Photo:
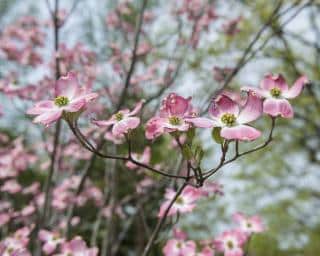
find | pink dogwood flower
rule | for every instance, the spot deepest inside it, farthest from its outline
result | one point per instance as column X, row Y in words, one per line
column 142, row 158
column 186, row 202
column 276, row 92
column 70, row 98
column 231, row 242
column 249, row 225
column 174, row 114
column 232, row 117
column 178, row 247
column 51, row 241
column 77, row 247
column 122, row 121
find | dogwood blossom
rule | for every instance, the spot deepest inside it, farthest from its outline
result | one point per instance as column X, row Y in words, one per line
column 123, row 121
column 231, row 242
column 249, row 225
column 77, row 247
column 276, row 92
column 186, row 202
column 51, row 241
column 174, row 114
column 232, row 117
column 142, row 158
column 70, row 98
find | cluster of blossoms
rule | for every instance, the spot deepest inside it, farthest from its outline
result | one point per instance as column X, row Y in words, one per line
column 229, row 111
column 79, row 58
column 201, row 14
column 230, row 242
column 20, row 41
column 53, row 244
column 120, row 17
column 187, row 201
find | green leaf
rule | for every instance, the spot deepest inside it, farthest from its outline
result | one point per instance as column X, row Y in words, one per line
column 186, row 151
column 190, row 134
column 216, row 135
column 199, row 153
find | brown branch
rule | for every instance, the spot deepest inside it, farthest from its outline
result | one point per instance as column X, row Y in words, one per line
column 134, row 56
column 161, row 222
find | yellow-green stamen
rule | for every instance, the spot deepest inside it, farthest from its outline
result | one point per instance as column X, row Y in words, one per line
column 61, row 101
column 119, row 116
column 174, row 120
column 228, row 119
column 230, row 244
column 275, row 92
column 179, row 200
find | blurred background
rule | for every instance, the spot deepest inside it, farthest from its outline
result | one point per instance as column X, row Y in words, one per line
column 281, row 183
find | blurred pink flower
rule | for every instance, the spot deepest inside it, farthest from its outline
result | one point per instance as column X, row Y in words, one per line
column 186, row 202
column 249, row 225
column 77, row 247
column 142, row 158
column 177, row 247
column 51, row 241
column 231, row 242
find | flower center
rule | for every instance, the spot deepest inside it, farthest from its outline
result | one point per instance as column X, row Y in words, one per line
column 228, row 119
column 249, row 225
column 174, row 120
column 61, row 101
column 230, row 244
column 275, row 92
column 119, row 116
column 179, row 200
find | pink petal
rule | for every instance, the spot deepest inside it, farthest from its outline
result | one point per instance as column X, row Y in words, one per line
column 252, row 109
column 240, row 132
column 137, row 108
column 297, row 87
column 124, row 125
column 176, row 105
column 68, row 86
column 238, row 217
column 276, row 107
column 87, row 96
column 260, row 92
column 44, row 235
column 48, row 118
column 154, row 127
column 201, row 122
column 223, row 104
column 49, row 248
column 75, row 105
column 104, row 123
column 41, row 107
column 271, row 81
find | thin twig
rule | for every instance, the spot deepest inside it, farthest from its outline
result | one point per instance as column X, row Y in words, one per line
column 134, row 55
